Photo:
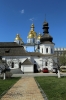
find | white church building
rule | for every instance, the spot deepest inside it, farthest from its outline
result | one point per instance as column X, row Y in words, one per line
column 17, row 57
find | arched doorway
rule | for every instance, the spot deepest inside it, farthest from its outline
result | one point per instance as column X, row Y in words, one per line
column 19, row 64
column 35, row 68
column 12, row 64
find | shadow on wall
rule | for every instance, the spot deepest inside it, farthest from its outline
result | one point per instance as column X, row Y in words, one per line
column 16, row 71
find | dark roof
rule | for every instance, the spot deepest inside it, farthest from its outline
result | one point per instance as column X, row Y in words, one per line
column 37, row 54
column 18, row 51
column 46, row 37
column 13, row 49
column 8, row 44
column 27, row 62
column 47, row 42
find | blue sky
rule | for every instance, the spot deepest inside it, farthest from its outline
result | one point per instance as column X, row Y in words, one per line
column 16, row 15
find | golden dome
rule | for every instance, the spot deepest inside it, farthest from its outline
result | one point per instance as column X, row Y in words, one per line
column 18, row 37
column 32, row 33
column 39, row 36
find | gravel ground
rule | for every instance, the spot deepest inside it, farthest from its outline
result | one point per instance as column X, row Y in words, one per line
column 25, row 89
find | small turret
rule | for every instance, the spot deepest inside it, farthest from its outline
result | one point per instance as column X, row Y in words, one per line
column 32, row 35
column 18, row 39
column 38, row 38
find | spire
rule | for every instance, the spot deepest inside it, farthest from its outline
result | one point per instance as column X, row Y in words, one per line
column 32, row 27
column 45, row 27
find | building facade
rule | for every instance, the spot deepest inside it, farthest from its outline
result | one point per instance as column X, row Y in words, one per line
column 43, row 56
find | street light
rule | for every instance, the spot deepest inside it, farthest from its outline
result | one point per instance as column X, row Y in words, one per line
column 58, row 66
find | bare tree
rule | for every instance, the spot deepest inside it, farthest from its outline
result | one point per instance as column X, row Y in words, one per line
column 3, row 68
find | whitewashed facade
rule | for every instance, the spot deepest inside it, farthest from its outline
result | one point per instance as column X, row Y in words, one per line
column 47, row 48
column 15, row 54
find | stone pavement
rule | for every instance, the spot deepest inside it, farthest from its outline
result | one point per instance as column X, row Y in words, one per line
column 25, row 89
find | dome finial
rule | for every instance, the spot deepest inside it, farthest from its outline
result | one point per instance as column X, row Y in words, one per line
column 32, row 27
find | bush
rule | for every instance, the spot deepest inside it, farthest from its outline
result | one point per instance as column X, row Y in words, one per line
column 63, row 69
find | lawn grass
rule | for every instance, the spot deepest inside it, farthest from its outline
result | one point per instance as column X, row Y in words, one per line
column 6, row 84
column 53, row 87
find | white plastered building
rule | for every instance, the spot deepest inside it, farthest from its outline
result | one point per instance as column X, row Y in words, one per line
column 18, row 58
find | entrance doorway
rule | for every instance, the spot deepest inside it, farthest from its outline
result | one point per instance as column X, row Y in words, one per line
column 19, row 64
column 35, row 68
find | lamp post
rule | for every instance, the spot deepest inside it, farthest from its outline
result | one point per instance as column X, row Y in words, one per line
column 58, row 66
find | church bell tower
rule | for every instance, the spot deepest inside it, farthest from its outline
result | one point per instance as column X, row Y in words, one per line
column 46, row 44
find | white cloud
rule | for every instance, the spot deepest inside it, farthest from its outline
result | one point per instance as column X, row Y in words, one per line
column 31, row 19
column 22, row 11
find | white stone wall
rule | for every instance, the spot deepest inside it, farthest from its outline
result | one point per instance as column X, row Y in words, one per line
column 59, row 49
column 41, row 62
column 38, row 62
column 27, row 68
column 49, row 46
column 19, row 41
column 16, row 60
column 30, row 40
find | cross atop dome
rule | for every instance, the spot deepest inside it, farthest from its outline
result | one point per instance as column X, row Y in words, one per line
column 18, row 37
column 32, row 27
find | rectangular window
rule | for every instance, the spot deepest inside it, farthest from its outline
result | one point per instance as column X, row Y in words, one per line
column 42, row 50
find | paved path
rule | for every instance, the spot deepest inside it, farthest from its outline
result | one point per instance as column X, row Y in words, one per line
column 25, row 89
column 38, row 74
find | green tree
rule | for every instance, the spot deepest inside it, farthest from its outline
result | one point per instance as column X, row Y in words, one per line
column 62, row 59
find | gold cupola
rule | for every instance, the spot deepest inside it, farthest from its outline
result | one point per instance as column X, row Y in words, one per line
column 18, row 37
column 32, row 33
column 39, row 36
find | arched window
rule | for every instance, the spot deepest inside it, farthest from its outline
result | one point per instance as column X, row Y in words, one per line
column 19, row 64
column 46, row 50
column 12, row 64
column 42, row 50
column 45, row 63
column 19, row 42
column 51, row 50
